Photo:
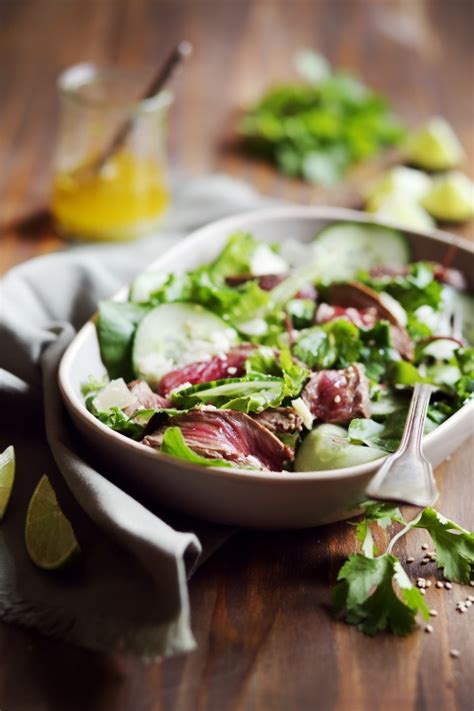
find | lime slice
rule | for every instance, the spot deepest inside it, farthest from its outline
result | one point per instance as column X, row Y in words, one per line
column 7, row 477
column 404, row 213
column 49, row 538
column 435, row 146
column 451, row 198
column 401, row 182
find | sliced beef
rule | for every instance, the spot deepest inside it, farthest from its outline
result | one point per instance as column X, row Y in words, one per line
column 227, row 434
column 337, row 396
column 145, row 398
column 230, row 365
column 280, row 420
column 362, row 318
column 356, row 295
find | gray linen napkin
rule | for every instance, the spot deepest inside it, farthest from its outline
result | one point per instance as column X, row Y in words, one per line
column 127, row 591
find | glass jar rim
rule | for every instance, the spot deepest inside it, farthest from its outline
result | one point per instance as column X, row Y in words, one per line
column 73, row 79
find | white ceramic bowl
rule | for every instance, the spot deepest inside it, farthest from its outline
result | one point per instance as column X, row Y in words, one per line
column 247, row 498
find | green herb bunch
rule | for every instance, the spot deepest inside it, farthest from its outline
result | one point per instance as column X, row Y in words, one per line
column 317, row 130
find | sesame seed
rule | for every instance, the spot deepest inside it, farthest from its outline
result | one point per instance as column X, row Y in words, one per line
column 410, row 560
column 462, row 610
column 431, row 554
column 470, row 598
column 428, row 583
column 455, row 653
column 429, row 629
column 439, row 584
column 337, row 399
column 433, row 613
column 448, row 586
column 424, row 546
column 423, row 591
column 468, row 603
column 433, row 558
column 425, row 561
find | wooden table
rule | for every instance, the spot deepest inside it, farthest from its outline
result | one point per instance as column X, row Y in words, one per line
column 260, row 605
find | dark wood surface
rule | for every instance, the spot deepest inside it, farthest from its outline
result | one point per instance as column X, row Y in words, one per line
column 266, row 639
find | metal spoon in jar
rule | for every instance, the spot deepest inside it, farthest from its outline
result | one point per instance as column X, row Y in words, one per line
column 406, row 475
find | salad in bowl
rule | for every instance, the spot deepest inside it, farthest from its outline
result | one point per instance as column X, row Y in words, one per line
column 292, row 357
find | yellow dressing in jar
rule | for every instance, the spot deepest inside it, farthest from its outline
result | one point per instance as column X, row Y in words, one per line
column 122, row 200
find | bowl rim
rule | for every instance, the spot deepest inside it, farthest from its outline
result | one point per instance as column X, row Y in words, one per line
column 279, row 212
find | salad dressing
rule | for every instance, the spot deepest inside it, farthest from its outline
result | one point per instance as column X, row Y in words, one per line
column 121, row 200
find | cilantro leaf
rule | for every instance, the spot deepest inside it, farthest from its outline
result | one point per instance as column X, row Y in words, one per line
column 454, row 545
column 379, row 512
column 366, row 596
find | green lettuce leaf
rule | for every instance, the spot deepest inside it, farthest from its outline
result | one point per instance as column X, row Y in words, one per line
column 267, row 361
column 386, row 435
column 417, row 288
column 175, row 445
column 116, row 325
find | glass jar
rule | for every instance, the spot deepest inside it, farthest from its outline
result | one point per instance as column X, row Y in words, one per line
column 100, row 193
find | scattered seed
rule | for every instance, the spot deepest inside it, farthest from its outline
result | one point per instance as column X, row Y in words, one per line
column 448, row 586
column 423, row 591
column 471, row 583
column 428, row 583
column 429, row 629
column 433, row 558
column 455, row 653
column 410, row 560
column 468, row 603
column 439, row 584
column 424, row 546
column 425, row 561
column 433, row 613
column 470, row 598
column 431, row 553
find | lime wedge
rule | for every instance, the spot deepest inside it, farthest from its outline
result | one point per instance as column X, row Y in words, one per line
column 451, row 198
column 7, row 477
column 49, row 538
column 435, row 146
column 406, row 184
column 404, row 213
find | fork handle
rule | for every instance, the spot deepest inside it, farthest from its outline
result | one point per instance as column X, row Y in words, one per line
column 414, row 425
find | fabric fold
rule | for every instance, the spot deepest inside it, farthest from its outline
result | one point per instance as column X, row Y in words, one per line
column 128, row 590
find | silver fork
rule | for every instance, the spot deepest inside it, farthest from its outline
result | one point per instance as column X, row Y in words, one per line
column 406, row 475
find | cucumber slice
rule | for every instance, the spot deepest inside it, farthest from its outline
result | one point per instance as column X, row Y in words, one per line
column 344, row 249
column 327, row 447
column 252, row 393
column 171, row 336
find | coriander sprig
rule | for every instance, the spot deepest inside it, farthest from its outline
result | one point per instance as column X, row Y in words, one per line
column 374, row 592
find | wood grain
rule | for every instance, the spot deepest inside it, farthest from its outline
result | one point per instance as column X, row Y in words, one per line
column 266, row 639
